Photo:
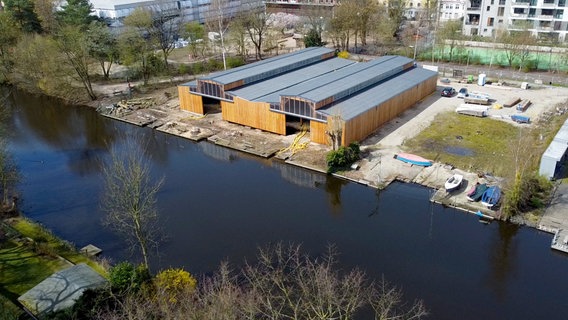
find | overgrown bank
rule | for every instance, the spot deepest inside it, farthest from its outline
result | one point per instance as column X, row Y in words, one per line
column 497, row 148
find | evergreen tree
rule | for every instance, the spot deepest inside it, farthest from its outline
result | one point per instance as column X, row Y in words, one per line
column 23, row 13
column 76, row 13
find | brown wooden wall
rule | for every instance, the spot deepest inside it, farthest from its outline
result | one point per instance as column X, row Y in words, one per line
column 254, row 114
column 366, row 123
column 317, row 132
column 189, row 101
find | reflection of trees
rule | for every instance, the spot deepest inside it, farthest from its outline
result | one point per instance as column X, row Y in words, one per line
column 78, row 131
column 502, row 259
column 333, row 188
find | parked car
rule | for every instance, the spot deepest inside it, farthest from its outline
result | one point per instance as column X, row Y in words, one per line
column 448, row 92
column 462, row 93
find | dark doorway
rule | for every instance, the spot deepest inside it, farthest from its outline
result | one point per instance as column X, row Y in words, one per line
column 294, row 124
column 211, row 106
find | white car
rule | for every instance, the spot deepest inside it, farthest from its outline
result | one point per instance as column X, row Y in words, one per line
column 462, row 93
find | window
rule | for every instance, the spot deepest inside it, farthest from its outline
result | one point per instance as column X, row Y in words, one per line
column 457, row 6
column 488, row 7
column 518, row 10
column 492, row 1
column 502, row 2
column 500, row 20
column 500, row 11
column 490, row 22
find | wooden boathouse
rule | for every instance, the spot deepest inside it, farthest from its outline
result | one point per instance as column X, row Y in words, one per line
column 313, row 86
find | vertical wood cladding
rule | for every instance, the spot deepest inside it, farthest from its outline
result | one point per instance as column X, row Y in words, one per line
column 366, row 123
column 317, row 132
column 254, row 114
column 189, row 101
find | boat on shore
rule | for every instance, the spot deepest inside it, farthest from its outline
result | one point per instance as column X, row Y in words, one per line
column 484, row 216
column 453, row 182
column 476, row 192
column 491, row 196
column 413, row 159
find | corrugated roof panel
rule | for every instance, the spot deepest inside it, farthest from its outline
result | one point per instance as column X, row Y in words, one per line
column 270, row 67
column 352, row 83
column 562, row 134
column 330, row 78
column 269, row 90
column 555, row 150
column 189, row 84
column 374, row 96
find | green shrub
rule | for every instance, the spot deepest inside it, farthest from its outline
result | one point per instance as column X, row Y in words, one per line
column 184, row 69
column 126, row 277
column 233, row 62
column 343, row 157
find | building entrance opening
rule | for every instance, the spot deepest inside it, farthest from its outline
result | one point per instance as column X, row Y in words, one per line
column 295, row 124
column 211, row 106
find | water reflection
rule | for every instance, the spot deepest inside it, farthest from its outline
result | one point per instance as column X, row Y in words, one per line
column 502, row 256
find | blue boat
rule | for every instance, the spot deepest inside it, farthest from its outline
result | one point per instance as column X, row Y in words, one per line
column 491, row 196
column 413, row 159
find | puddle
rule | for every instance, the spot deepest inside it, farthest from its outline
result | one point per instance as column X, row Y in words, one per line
column 460, row 151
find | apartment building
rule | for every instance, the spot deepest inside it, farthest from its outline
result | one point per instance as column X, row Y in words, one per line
column 188, row 10
column 544, row 18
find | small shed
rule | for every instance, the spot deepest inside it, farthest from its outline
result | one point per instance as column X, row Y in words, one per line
column 60, row 290
column 555, row 154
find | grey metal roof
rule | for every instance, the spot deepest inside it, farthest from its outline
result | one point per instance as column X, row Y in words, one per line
column 189, row 84
column 269, row 90
column 270, row 67
column 562, row 134
column 555, row 150
column 374, row 96
column 349, row 80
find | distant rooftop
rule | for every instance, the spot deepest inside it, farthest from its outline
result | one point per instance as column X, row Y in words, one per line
column 271, row 67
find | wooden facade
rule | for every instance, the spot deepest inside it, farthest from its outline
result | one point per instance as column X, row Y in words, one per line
column 317, row 132
column 189, row 101
column 254, row 114
column 366, row 123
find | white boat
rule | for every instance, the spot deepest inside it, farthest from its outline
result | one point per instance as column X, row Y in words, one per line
column 453, row 182
column 472, row 109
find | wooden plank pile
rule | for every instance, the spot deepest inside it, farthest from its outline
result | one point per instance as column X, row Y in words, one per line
column 511, row 102
column 523, row 105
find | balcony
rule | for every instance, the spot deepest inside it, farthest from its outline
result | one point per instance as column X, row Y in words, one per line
column 544, row 17
column 473, row 9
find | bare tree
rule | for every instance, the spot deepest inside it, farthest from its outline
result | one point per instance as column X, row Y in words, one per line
column 335, row 130
column 388, row 304
column 218, row 19
column 129, row 198
column 255, row 23
column 74, row 45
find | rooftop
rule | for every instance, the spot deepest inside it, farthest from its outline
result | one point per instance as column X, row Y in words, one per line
column 271, row 67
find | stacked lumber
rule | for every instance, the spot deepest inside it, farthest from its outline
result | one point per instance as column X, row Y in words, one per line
column 512, row 102
column 523, row 105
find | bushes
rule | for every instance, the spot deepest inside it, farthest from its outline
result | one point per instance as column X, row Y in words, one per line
column 527, row 193
column 342, row 157
column 125, row 277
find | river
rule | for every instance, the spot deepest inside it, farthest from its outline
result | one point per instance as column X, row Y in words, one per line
column 217, row 204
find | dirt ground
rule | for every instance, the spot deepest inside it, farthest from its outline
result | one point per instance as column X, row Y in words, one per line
column 377, row 167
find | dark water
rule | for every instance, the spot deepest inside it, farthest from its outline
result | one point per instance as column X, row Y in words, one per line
column 218, row 204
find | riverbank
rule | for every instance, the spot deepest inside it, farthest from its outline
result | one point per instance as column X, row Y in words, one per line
column 377, row 167
column 31, row 254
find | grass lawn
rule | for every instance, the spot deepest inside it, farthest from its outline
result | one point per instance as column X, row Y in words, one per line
column 22, row 267
column 475, row 144
column 54, row 244
column 25, row 263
